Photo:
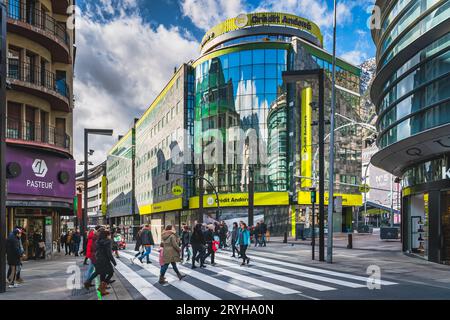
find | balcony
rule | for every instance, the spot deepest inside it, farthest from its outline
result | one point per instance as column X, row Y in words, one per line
column 34, row 134
column 42, row 28
column 39, row 82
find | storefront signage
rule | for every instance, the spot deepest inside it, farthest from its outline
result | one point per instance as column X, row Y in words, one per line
column 263, row 18
column 40, row 174
column 445, row 173
column 177, row 190
column 306, row 137
column 241, row 200
column 164, row 206
column 348, row 200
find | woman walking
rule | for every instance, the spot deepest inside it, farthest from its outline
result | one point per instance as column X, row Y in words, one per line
column 234, row 235
column 104, row 259
column 171, row 253
column 198, row 244
column 243, row 240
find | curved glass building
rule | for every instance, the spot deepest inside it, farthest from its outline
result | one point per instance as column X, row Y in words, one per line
column 411, row 92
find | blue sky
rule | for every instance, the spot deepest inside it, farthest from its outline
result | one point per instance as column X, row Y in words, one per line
column 127, row 49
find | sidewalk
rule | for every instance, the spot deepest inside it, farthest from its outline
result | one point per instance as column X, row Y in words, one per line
column 361, row 241
column 54, row 280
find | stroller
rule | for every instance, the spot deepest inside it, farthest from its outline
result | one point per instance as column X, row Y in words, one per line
column 120, row 240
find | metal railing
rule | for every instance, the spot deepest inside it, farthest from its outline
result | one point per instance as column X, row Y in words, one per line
column 39, row 76
column 35, row 132
column 37, row 18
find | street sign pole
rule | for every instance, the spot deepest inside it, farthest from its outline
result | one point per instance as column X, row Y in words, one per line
column 313, row 231
column 2, row 146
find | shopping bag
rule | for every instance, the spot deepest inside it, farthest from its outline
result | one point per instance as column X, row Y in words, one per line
column 215, row 245
column 161, row 257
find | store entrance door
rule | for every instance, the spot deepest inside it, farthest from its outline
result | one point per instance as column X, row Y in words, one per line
column 34, row 233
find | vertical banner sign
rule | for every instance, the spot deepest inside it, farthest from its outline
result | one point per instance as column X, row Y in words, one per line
column 306, row 137
column 293, row 221
column 104, row 196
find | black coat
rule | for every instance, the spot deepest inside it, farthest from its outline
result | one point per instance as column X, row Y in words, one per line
column 223, row 231
column 185, row 237
column 76, row 238
column 263, row 227
column 104, row 257
column 197, row 239
column 138, row 245
column 209, row 236
column 147, row 237
column 13, row 249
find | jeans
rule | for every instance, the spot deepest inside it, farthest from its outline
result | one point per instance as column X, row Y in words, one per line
column 210, row 253
column 256, row 240
column 148, row 251
column 183, row 247
column 243, row 250
column 166, row 266
column 12, row 273
column 90, row 270
column 263, row 240
column 235, row 249
column 76, row 248
column 198, row 252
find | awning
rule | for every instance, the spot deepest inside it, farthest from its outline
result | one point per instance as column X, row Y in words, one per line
column 374, row 205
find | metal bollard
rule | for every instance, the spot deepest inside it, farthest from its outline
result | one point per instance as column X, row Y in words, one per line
column 350, row 241
column 285, row 237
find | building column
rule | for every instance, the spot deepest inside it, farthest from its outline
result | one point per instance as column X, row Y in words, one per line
column 434, row 230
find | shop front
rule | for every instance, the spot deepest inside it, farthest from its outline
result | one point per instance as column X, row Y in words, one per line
column 40, row 191
column 426, row 210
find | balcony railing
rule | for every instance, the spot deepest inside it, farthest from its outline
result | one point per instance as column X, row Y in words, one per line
column 37, row 18
column 35, row 132
column 39, row 76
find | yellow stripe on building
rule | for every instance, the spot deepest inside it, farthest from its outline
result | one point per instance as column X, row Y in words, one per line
column 348, row 200
column 241, row 200
column 164, row 206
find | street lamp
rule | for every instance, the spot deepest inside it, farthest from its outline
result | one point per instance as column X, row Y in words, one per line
column 87, row 132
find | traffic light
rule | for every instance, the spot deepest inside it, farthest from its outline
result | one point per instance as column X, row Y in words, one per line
column 167, row 175
column 313, row 195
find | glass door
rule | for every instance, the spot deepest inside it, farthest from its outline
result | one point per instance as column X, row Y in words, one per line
column 445, row 200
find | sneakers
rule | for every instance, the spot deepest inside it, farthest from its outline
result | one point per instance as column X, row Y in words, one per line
column 15, row 285
column 132, row 260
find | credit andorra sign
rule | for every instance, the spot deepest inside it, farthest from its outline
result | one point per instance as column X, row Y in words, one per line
column 259, row 19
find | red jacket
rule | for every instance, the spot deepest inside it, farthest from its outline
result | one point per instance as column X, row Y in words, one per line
column 91, row 239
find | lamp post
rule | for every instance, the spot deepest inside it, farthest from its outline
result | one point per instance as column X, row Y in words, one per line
column 331, row 157
column 2, row 146
column 87, row 132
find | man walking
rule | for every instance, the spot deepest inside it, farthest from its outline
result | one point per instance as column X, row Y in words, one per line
column 147, row 242
column 257, row 233
column 223, row 231
column 76, row 242
column 263, row 227
column 13, row 256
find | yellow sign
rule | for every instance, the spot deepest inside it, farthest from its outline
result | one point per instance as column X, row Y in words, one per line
column 293, row 221
column 164, row 206
column 348, row 200
column 364, row 188
column 306, row 137
column 104, row 196
column 260, row 19
column 241, row 200
column 177, row 190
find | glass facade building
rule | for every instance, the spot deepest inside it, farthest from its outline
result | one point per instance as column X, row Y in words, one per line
column 230, row 110
column 411, row 92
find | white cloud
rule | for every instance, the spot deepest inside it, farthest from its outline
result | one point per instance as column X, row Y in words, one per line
column 207, row 13
column 355, row 57
column 121, row 65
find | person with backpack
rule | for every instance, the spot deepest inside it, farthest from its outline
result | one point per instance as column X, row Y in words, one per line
column 185, row 242
column 170, row 247
column 147, row 243
column 198, row 244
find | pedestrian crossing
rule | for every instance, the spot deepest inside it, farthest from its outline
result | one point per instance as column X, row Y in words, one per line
column 267, row 276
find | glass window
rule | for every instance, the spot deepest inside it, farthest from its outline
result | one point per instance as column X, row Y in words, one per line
column 258, row 56
column 234, row 59
column 246, row 57
column 258, row 71
column 271, row 71
column 270, row 56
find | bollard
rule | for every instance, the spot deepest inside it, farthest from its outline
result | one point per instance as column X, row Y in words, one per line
column 350, row 241
column 285, row 237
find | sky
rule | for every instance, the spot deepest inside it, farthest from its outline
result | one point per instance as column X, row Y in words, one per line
column 127, row 51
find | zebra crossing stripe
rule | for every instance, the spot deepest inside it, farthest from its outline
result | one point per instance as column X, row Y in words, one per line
column 237, row 290
column 297, row 282
column 141, row 285
column 184, row 286
column 263, row 257
column 303, row 274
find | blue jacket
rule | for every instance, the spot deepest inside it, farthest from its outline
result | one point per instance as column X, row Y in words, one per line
column 246, row 236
